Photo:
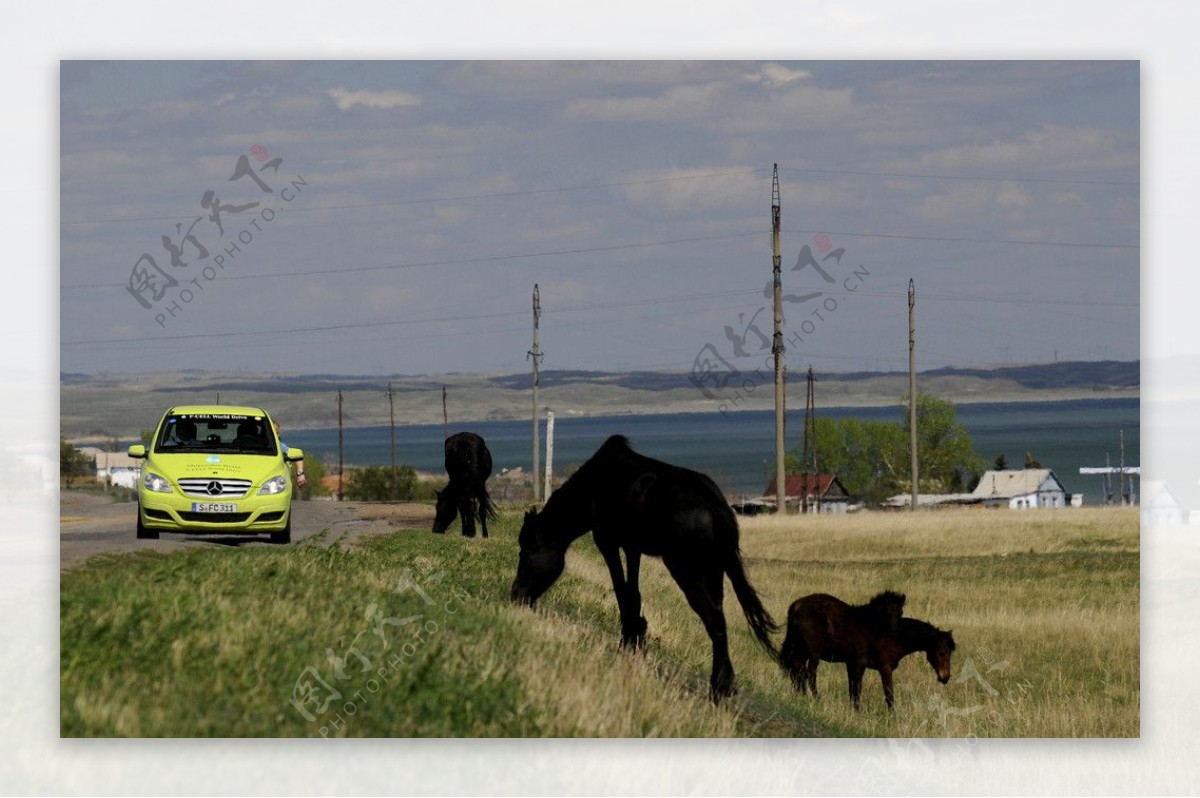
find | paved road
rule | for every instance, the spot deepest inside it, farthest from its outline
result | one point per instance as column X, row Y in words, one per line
column 91, row 525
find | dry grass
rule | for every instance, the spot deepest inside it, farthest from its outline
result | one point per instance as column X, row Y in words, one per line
column 1044, row 608
column 1043, row 605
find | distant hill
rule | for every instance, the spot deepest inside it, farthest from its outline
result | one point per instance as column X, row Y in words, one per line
column 106, row 405
column 1087, row 375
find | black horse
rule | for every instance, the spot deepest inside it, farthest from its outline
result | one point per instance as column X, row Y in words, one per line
column 643, row 506
column 469, row 464
column 873, row 635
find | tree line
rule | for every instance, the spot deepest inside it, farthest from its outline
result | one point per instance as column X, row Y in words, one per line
column 871, row 458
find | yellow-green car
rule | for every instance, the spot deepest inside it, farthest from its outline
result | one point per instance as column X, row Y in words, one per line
column 215, row 469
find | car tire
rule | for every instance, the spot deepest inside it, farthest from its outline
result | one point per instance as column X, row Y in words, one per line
column 142, row 532
column 284, row 535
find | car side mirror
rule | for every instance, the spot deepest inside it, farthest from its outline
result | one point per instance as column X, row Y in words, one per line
column 137, row 450
column 293, row 454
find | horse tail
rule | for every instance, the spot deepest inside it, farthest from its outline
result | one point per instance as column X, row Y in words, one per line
column 787, row 652
column 487, row 507
column 761, row 622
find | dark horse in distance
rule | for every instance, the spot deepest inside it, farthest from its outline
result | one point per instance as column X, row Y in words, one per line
column 469, row 464
column 874, row 635
column 638, row 505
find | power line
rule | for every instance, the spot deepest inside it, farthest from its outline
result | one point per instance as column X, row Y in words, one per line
column 969, row 240
column 409, row 321
column 622, row 184
column 433, row 200
column 633, row 245
column 450, row 262
column 981, row 178
column 592, row 307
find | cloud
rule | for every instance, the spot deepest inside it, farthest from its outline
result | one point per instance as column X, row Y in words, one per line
column 691, row 189
column 777, row 75
column 526, row 79
column 1050, row 149
column 347, row 99
column 967, row 197
column 674, row 104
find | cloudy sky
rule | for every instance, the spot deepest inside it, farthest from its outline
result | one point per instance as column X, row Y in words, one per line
column 393, row 217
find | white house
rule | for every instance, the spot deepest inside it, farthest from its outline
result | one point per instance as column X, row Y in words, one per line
column 116, row 468
column 1022, row 489
column 1159, row 507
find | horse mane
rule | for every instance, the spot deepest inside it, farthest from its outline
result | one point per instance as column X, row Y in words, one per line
column 883, row 611
column 888, row 598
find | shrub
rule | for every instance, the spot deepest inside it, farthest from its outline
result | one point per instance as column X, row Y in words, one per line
column 375, row 483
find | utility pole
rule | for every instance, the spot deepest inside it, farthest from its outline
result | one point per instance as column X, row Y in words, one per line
column 549, row 452
column 777, row 347
column 535, row 355
column 340, row 456
column 445, row 416
column 912, row 387
column 809, row 464
column 392, row 424
column 1121, row 463
column 1108, row 494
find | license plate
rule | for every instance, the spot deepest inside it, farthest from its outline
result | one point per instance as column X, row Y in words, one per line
column 214, row 507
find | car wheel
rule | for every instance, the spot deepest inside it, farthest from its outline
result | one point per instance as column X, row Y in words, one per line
column 284, row 535
column 142, row 532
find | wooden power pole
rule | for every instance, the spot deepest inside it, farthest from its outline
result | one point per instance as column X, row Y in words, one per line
column 809, row 464
column 445, row 416
column 549, row 454
column 392, row 425
column 912, row 388
column 341, row 459
column 777, row 347
column 535, row 355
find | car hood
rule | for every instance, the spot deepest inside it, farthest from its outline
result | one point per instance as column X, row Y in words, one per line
column 254, row 467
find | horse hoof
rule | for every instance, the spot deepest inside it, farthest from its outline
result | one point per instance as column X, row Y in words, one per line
column 717, row 694
column 633, row 642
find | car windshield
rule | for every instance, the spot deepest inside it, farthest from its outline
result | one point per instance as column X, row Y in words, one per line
column 232, row 433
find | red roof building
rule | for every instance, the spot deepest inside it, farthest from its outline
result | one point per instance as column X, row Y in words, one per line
column 813, row 488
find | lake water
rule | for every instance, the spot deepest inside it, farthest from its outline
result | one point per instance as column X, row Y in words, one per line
column 737, row 450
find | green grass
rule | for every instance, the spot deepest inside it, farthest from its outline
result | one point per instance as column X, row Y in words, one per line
column 218, row 642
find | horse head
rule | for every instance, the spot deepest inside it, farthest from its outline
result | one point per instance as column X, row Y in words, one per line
column 939, row 653
column 540, row 563
column 447, row 510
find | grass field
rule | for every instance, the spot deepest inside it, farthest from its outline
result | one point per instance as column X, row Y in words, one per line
column 412, row 634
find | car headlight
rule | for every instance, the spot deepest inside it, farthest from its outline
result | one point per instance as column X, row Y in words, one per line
column 154, row 482
column 273, row 485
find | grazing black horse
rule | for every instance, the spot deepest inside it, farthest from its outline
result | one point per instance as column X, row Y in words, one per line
column 874, row 635
column 638, row 505
column 469, row 464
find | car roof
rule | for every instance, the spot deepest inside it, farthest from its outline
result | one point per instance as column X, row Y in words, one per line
column 233, row 410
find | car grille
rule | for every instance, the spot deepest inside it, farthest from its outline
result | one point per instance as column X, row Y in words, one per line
column 215, row 518
column 213, row 487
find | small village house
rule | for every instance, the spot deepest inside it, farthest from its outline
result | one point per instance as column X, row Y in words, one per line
column 114, row 468
column 1022, row 489
column 1159, row 506
column 815, row 492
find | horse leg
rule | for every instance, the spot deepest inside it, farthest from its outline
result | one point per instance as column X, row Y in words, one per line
column 629, row 601
column 885, row 675
column 705, row 594
column 466, row 512
column 854, row 671
column 633, row 624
